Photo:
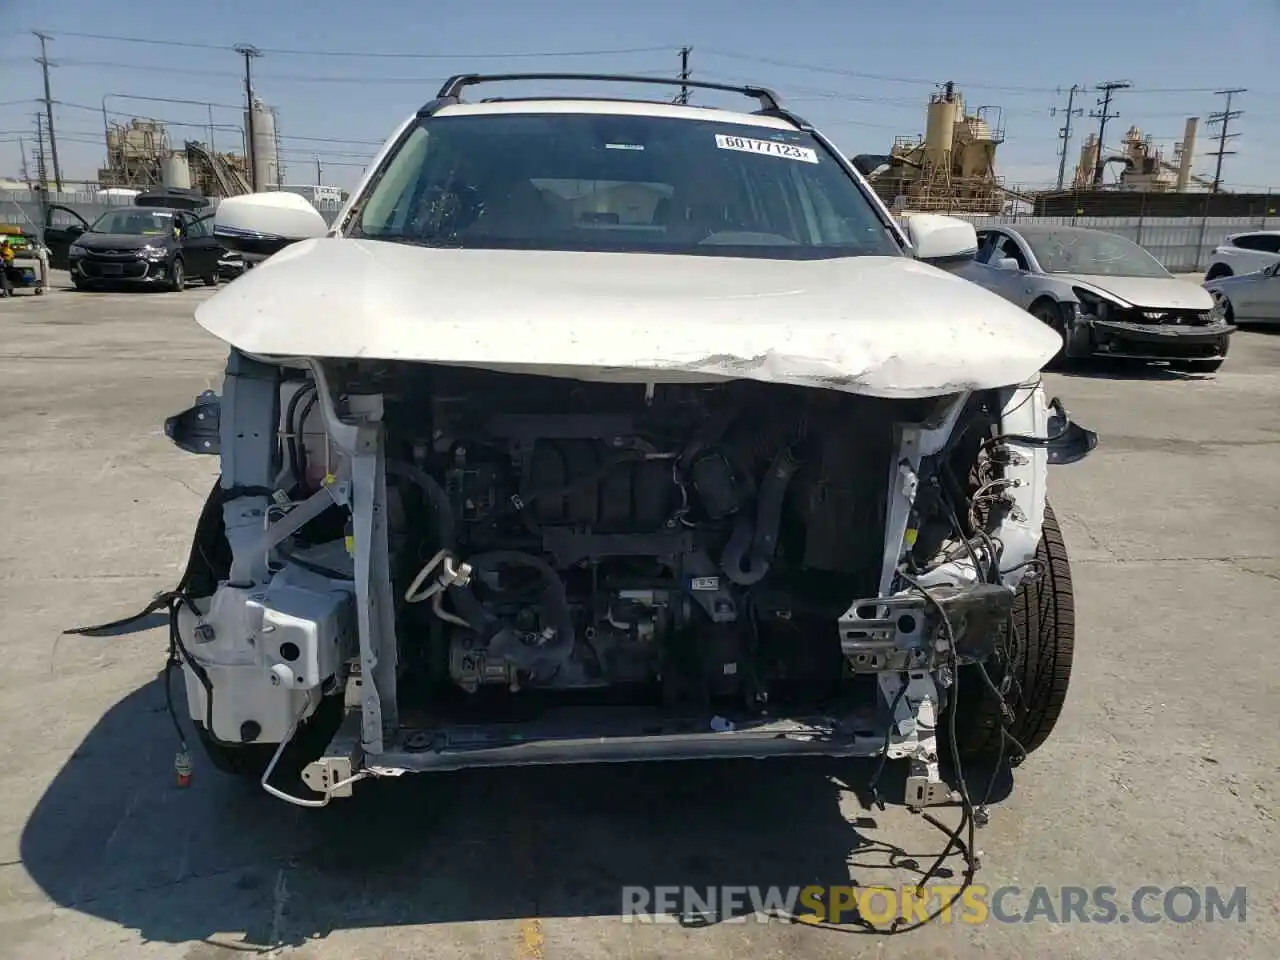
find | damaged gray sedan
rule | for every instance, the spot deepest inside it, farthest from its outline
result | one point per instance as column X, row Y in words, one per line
column 618, row 430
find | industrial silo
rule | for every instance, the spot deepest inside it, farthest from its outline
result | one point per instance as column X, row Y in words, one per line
column 175, row 171
column 266, row 164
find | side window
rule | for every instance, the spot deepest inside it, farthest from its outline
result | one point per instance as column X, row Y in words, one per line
column 198, row 228
column 1009, row 248
column 986, row 244
column 1265, row 242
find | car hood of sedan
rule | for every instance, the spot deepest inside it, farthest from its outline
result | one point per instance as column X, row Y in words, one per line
column 882, row 326
column 1153, row 293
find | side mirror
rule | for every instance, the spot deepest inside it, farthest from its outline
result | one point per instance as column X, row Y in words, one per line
column 1005, row 263
column 260, row 224
column 941, row 240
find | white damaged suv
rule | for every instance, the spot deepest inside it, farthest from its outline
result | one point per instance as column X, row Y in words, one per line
column 617, row 430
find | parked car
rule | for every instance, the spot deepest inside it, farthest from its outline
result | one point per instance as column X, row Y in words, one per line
column 1250, row 297
column 1244, row 253
column 617, row 430
column 160, row 240
column 1102, row 294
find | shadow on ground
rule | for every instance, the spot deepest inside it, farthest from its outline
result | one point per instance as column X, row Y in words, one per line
column 1095, row 368
column 114, row 838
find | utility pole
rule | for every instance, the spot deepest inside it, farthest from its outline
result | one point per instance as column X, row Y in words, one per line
column 42, row 172
column 684, row 74
column 1223, row 117
column 1064, row 132
column 43, row 60
column 249, row 52
column 1102, row 116
column 319, row 182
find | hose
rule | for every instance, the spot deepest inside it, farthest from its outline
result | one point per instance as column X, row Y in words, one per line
column 555, row 600
column 445, row 524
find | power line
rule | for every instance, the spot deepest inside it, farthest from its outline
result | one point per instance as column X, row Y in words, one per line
column 1223, row 118
column 382, row 54
column 1064, row 132
column 1102, row 116
column 43, row 60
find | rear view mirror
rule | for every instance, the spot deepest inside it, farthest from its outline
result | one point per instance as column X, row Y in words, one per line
column 260, row 224
column 941, row 240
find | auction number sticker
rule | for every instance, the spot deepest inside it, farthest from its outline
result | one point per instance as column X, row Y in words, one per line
column 772, row 147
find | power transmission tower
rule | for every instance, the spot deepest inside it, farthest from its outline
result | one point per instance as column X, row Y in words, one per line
column 1223, row 117
column 1102, row 116
column 43, row 60
column 1064, row 132
column 22, row 150
column 249, row 52
column 42, row 173
column 683, row 96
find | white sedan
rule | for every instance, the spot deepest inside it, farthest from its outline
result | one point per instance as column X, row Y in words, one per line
column 1250, row 297
column 1103, row 294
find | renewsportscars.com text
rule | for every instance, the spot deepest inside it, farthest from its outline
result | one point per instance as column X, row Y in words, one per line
column 978, row 904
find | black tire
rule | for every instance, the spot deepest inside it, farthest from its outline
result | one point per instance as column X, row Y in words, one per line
column 1049, row 313
column 210, row 280
column 249, row 760
column 1043, row 649
column 177, row 276
column 1216, row 271
column 39, row 291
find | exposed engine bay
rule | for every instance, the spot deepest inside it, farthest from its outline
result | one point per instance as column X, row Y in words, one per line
column 549, row 534
column 452, row 557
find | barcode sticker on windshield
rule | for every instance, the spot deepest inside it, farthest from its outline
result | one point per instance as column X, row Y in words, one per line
column 772, row 147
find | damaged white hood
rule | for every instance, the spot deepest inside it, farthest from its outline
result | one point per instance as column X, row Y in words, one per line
column 884, row 326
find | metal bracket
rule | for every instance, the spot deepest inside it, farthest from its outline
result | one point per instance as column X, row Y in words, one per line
column 198, row 428
column 339, row 763
column 914, row 736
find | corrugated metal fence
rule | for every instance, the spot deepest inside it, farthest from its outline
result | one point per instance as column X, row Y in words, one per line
column 1182, row 244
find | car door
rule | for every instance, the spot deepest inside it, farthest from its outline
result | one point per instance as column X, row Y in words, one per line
column 62, row 227
column 1009, row 281
column 199, row 247
column 1266, row 302
column 1251, row 252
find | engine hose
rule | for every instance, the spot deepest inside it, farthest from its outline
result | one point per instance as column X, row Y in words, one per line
column 446, row 527
column 554, row 599
column 736, row 553
column 747, row 556
column 773, row 492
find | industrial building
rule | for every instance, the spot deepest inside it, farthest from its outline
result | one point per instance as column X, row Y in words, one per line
column 140, row 154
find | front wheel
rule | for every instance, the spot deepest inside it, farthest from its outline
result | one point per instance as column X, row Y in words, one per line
column 177, row 276
column 210, row 280
column 1037, row 668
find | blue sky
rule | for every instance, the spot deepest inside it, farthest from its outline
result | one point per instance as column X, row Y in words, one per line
column 861, row 71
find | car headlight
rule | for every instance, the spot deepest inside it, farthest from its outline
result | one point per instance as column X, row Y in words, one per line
column 153, row 252
column 1091, row 305
column 77, row 251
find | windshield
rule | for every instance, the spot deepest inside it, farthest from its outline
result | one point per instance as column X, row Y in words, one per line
column 137, row 222
column 606, row 182
column 1092, row 252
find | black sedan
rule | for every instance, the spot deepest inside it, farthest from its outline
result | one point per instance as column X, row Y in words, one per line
column 145, row 246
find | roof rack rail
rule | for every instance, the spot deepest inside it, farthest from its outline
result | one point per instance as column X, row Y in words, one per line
column 453, row 87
